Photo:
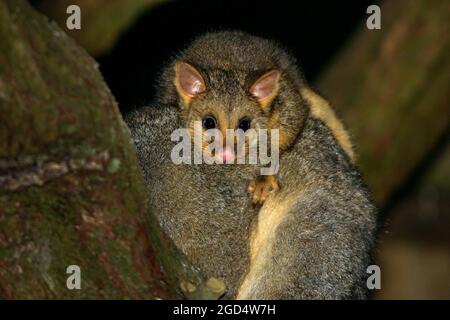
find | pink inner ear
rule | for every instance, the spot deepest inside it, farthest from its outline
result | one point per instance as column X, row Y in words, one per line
column 189, row 79
column 265, row 86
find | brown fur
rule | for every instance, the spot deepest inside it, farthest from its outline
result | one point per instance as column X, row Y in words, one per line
column 310, row 239
column 322, row 110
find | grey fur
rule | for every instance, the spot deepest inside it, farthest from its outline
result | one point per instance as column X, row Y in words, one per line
column 322, row 246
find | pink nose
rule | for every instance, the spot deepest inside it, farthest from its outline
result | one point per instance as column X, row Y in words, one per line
column 227, row 155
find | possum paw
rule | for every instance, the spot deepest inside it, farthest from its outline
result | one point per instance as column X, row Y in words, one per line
column 261, row 188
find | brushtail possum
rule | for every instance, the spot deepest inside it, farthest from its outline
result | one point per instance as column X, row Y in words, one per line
column 303, row 232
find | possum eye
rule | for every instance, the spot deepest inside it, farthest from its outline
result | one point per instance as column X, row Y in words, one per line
column 244, row 124
column 209, row 122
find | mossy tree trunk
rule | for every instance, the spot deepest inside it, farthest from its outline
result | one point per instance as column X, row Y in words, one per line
column 71, row 192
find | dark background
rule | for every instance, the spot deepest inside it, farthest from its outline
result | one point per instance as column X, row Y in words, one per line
column 313, row 37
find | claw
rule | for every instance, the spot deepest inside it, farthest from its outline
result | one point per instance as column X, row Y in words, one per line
column 261, row 188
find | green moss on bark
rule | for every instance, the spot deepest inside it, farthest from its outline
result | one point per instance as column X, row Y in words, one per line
column 81, row 199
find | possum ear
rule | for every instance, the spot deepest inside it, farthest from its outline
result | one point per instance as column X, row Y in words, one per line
column 188, row 81
column 265, row 88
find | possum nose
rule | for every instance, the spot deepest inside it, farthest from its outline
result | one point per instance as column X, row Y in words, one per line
column 227, row 154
